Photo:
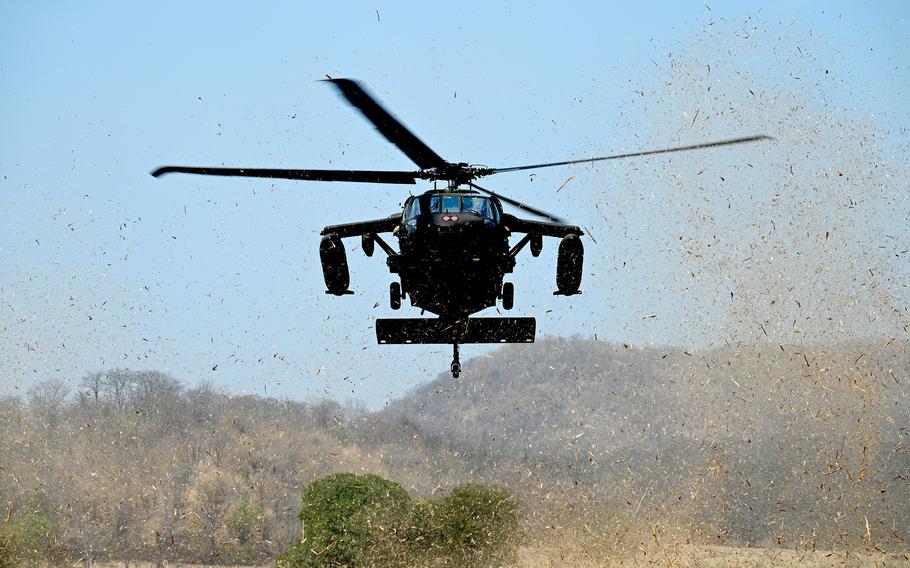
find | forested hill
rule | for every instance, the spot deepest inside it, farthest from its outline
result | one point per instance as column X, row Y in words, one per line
column 554, row 397
column 765, row 441
column 774, row 444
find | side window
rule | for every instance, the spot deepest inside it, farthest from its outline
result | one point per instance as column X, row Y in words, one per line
column 413, row 210
column 406, row 211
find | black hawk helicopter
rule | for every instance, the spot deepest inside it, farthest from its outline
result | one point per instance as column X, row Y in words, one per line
column 453, row 243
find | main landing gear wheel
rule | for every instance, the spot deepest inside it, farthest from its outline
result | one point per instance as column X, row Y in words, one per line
column 395, row 295
column 508, row 295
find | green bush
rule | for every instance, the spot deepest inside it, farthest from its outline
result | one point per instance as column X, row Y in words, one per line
column 7, row 549
column 31, row 536
column 244, row 523
column 424, row 529
column 475, row 525
column 351, row 520
column 365, row 520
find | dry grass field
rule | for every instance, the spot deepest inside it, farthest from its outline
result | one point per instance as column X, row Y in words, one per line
column 686, row 556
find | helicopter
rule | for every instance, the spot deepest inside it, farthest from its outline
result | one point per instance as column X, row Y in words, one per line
column 453, row 242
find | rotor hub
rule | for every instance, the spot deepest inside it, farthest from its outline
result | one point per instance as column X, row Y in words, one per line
column 460, row 173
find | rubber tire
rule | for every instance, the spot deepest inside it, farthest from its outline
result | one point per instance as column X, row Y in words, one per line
column 395, row 295
column 508, row 295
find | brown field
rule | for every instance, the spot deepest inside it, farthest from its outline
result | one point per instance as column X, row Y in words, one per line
column 711, row 557
column 683, row 556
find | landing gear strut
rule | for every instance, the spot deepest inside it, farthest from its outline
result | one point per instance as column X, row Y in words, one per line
column 456, row 364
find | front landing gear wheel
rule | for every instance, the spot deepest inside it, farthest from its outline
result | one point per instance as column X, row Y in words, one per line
column 456, row 370
column 395, row 295
column 508, row 295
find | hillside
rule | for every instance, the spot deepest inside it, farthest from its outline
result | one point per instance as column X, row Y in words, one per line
column 608, row 448
column 754, row 444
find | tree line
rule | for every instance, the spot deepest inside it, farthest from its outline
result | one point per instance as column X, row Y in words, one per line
column 761, row 446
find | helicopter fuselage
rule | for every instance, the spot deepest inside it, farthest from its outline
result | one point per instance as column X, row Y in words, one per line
column 453, row 252
column 452, row 263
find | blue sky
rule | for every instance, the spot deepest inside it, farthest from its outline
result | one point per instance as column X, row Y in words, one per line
column 105, row 266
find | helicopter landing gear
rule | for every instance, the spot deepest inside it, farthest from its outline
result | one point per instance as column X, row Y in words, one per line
column 508, row 295
column 456, row 364
column 395, row 295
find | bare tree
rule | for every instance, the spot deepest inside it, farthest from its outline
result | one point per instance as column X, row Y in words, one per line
column 92, row 386
column 45, row 401
column 118, row 383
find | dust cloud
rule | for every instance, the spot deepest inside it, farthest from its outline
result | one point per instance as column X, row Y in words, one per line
column 788, row 263
column 803, row 239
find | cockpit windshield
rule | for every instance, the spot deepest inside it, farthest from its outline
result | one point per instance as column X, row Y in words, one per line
column 468, row 203
column 477, row 205
column 445, row 204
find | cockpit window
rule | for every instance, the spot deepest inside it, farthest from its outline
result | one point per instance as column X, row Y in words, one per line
column 470, row 204
column 413, row 211
column 445, row 204
column 477, row 205
column 451, row 204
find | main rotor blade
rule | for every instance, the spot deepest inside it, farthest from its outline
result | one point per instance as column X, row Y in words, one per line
column 636, row 154
column 361, row 176
column 519, row 204
column 387, row 125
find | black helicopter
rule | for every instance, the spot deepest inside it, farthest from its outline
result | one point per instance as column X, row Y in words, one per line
column 453, row 243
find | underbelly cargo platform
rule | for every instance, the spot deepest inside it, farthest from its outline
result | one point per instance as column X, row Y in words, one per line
column 441, row 331
column 418, row 331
